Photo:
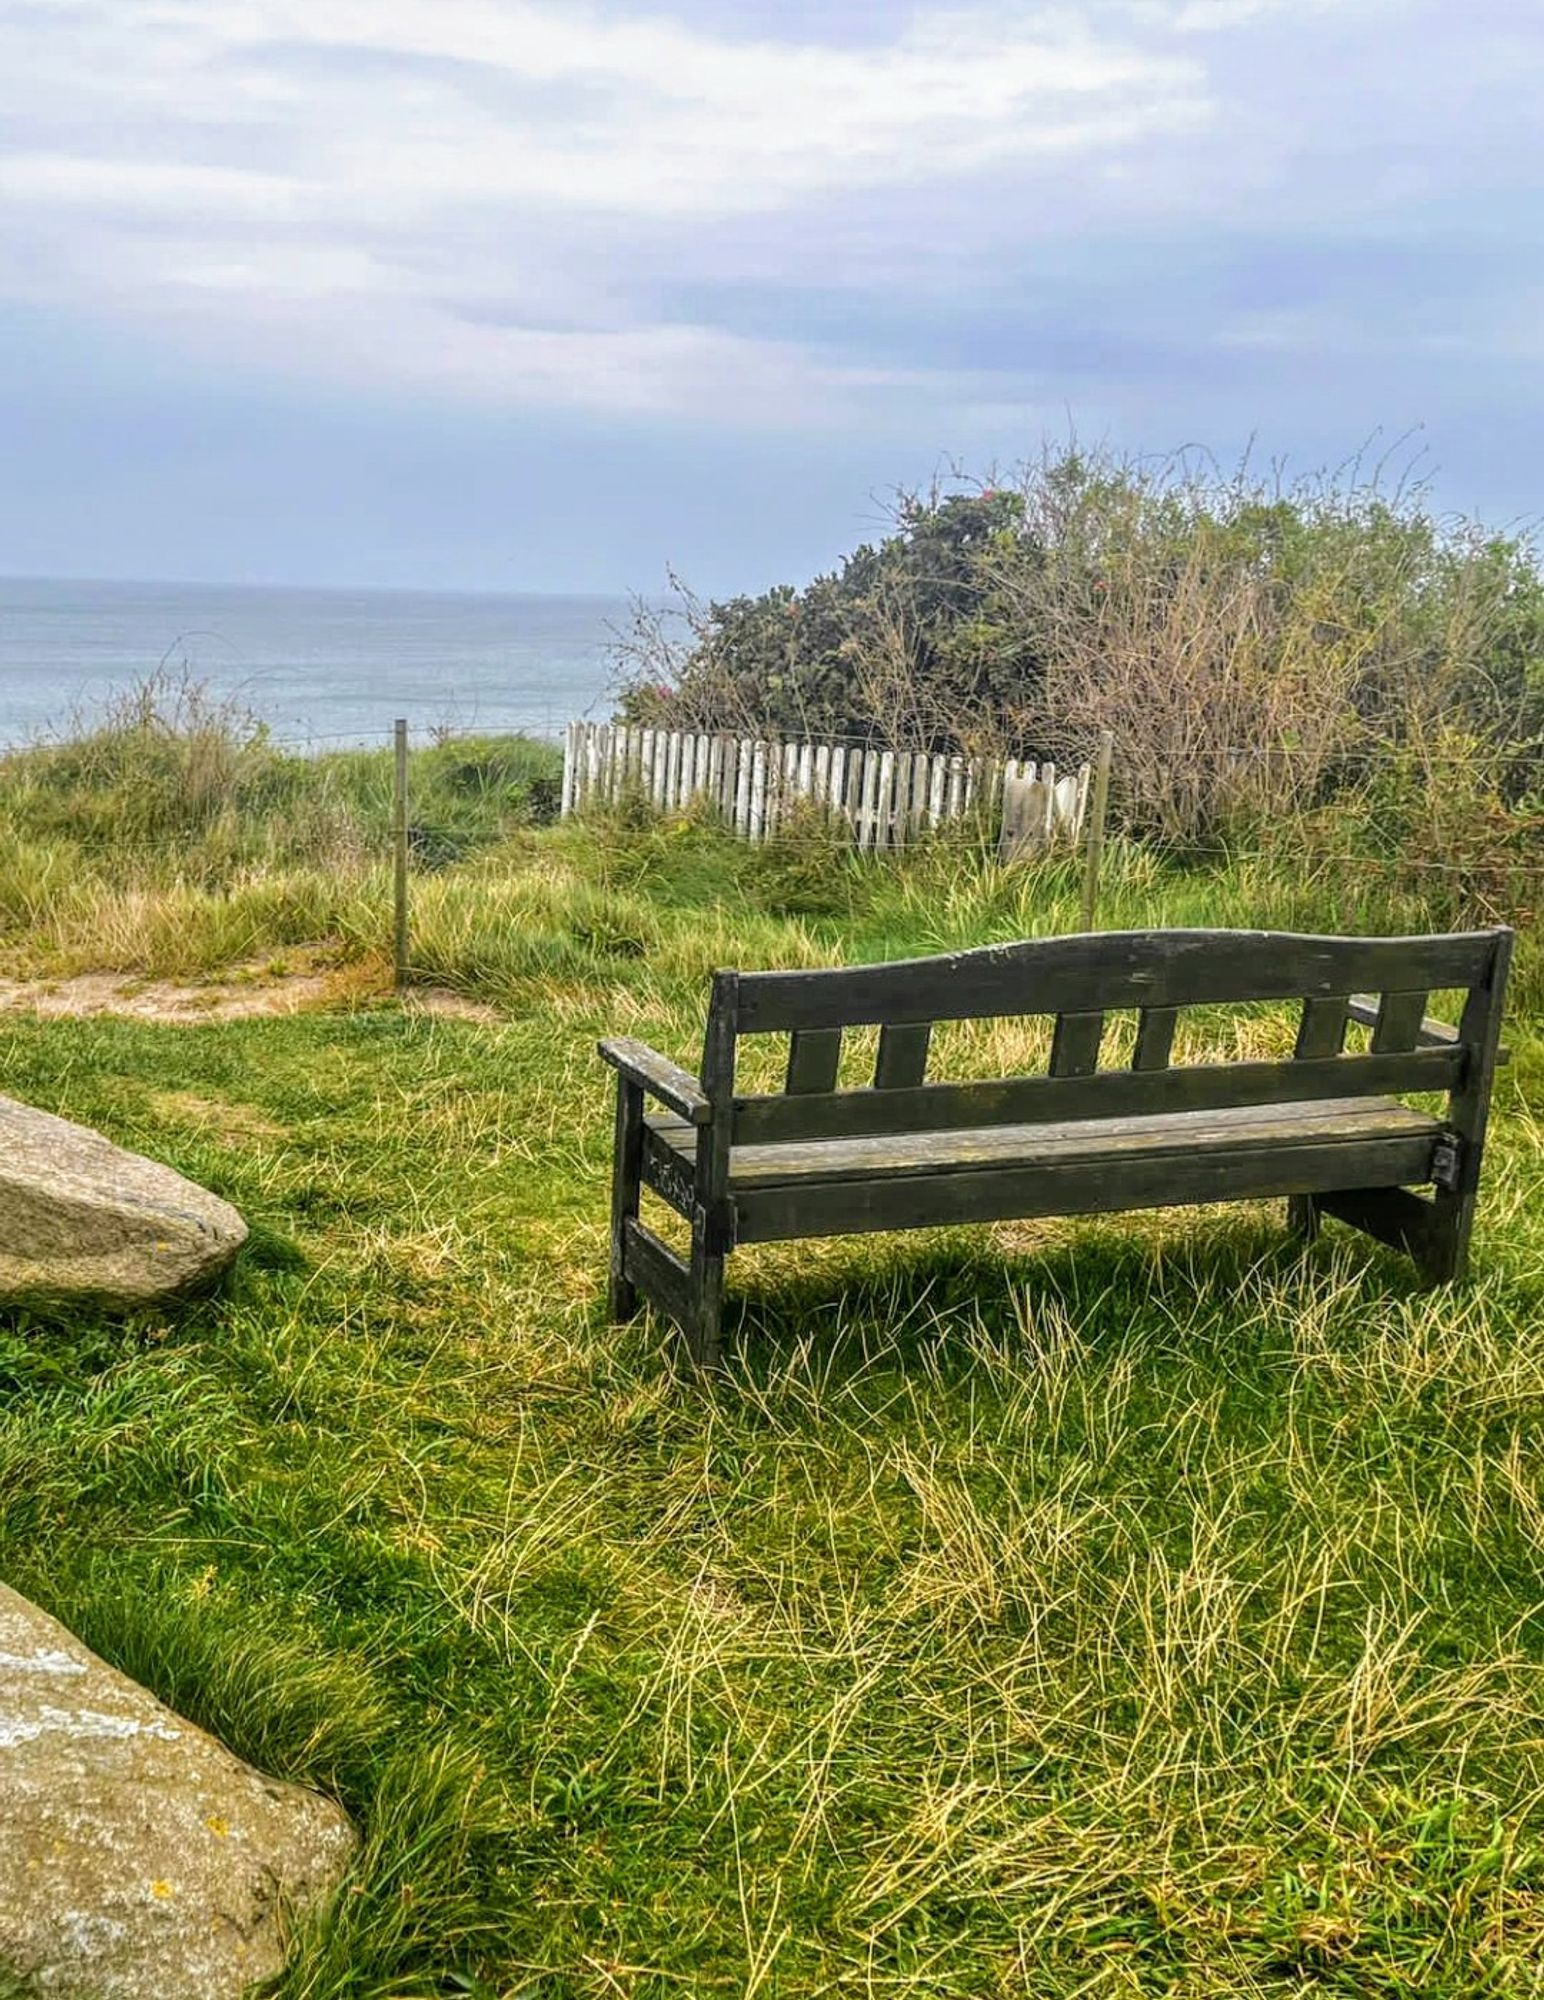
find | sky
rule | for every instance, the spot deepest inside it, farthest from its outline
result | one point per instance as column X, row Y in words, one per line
column 540, row 294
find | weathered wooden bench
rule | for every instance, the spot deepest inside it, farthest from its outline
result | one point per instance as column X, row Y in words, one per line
column 1324, row 1127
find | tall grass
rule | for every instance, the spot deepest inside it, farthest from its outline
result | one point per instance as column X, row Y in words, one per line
column 172, row 834
column 175, row 838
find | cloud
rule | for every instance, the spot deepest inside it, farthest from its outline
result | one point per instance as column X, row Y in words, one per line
column 483, row 197
column 520, row 203
column 462, row 100
column 127, row 186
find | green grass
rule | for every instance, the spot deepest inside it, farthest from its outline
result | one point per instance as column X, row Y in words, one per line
column 171, row 835
column 1102, row 1608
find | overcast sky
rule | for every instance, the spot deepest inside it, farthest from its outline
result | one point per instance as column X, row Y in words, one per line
column 523, row 294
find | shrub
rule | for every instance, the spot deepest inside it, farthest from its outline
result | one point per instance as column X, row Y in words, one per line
column 1256, row 650
column 909, row 642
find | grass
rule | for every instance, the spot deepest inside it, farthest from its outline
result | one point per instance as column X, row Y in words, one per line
column 1129, row 1607
column 171, row 835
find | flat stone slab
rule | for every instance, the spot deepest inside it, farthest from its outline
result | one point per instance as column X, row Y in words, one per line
column 84, row 1222
column 139, row 1859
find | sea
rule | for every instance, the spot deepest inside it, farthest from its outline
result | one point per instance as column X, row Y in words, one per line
column 319, row 666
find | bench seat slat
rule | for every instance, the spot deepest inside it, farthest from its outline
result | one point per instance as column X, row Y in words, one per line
column 936, row 1107
column 1111, row 1141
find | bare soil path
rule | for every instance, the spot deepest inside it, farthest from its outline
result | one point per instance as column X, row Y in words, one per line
column 242, row 992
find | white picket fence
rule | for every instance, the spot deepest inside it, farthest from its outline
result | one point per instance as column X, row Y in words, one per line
column 887, row 797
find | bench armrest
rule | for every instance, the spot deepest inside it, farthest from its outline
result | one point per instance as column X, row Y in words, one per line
column 1433, row 1035
column 660, row 1077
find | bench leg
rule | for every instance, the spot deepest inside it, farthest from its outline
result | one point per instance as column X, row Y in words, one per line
column 703, row 1334
column 626, row 1169
column 1303, row 1217
column 1444, row 1257
column 1432, row 1231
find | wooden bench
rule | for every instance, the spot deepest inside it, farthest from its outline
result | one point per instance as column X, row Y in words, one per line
column 1324, row 1127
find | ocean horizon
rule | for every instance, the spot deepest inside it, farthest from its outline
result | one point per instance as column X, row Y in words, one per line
column 318, row 664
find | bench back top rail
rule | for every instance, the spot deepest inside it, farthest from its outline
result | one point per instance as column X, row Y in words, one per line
column 1081, row 979
column 1115, row 969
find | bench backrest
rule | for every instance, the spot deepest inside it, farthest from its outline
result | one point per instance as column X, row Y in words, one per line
column 1080, row 980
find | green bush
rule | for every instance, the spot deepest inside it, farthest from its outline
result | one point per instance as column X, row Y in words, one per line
column 1257, row 651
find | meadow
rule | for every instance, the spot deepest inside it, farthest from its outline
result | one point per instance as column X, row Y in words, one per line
column 1135, row 1606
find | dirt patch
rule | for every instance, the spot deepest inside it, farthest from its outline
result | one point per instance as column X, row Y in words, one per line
column 306, row 984
column 307, row 976
column 86, row 993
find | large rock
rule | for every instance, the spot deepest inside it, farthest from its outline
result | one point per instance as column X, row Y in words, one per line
column 83, row 1221
column 139, row 1859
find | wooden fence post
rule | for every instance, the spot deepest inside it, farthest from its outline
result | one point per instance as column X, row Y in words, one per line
column 570, row 769
column 399, row 843
column 1095, row 845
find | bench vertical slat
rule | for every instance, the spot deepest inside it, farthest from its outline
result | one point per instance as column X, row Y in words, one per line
column 903, row 1053
column 1321, row 1033
column 712, row 1218
column 1155, row 1037
column 1075, row 1045
column 1400, row 1018
column 627, row 1157
column 1322, row 1030
column 814, row 1059
column 1479, row 1031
